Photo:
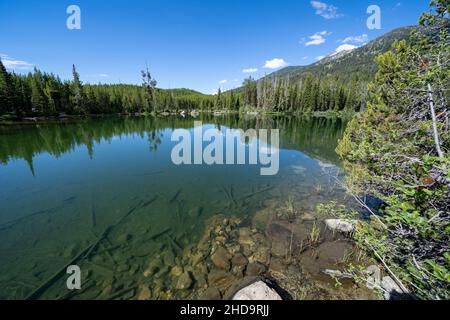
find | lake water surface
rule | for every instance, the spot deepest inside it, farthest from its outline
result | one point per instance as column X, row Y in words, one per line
column 105, row 194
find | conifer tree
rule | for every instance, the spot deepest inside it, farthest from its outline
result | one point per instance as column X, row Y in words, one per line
column 78, row 97
column 6, row 90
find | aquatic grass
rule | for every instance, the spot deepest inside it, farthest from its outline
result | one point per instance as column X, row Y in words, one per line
column 314, row 235
column 289, row 212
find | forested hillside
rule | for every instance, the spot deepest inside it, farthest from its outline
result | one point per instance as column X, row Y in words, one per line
column 40, row 93
column 336, row 83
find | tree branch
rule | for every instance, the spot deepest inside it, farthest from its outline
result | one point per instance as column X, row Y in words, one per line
column 433, row 116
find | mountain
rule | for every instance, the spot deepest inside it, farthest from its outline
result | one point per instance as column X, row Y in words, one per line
column 335, row 83
column 348, row 64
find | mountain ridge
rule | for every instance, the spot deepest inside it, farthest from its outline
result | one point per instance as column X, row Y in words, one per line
column 363, row 58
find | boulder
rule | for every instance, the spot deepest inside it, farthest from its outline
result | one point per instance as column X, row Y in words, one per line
column 238, row 271
column 220, row 279
column 255, row 269
column 198, row 257
column 245, row 236
column 239, row 260
column 144, row 293
column 279, row 248
column 194, row 113
column 391, row 288
column 184, row 281
column 261, row 254
column 176, row 271
column 340, row 225
column 307, row 217
column 221, row 258
column 277, row 265
column 261, row 218
column 257, row 291
column 211, row 294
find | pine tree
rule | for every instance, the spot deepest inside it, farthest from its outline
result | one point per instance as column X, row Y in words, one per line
column 149, row 85
column 38, row 98
column 6, row 90
column 399, row 150
column 78, row 97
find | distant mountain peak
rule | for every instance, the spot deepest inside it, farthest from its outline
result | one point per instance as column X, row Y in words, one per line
column 341, row 51
column 347, row 60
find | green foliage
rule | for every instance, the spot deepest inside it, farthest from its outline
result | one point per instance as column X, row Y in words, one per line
column 43, row 94
column 390, row 151
column 306, row 95
column 336, row 85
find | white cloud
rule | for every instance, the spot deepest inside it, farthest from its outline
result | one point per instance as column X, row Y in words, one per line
column 356, row 39
column 275, row 63
column 317, row 38
column 223, row 81
column 14, row 64
column 103, row 75
column 250, row 70
column 319, row 58
column 324, row 10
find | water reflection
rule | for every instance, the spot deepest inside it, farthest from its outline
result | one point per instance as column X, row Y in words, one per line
column 316, row 137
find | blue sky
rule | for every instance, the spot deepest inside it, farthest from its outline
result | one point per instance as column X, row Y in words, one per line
column 198, row 44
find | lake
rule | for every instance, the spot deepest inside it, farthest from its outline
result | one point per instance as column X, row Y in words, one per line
column 104, row 194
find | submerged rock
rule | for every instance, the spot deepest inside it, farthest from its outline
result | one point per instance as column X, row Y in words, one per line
column 221, row 258
column 144, row 293
column 337, row 274
column 125, row 237
column 261, row 218
column 279, row 248
column 238, row 271
column 255, row 269
column 211, row 294
column 277, row 265
column 307, row 217
column 340, row 225
column 239, row 260
column 198, row 257
column 176, row 271
column 262, row 255
column 245, row 236
column 184, row 281
column 257, row 291
column 220, row 279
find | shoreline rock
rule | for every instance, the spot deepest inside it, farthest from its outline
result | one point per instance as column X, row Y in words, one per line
column 257, row 291
column 340, row 225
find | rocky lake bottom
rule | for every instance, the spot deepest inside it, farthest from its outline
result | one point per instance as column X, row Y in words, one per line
column 103, row 194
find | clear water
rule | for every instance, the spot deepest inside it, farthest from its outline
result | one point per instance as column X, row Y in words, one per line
column 106, row 192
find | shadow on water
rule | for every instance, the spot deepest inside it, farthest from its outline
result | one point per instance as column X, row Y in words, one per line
column 103, row 193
